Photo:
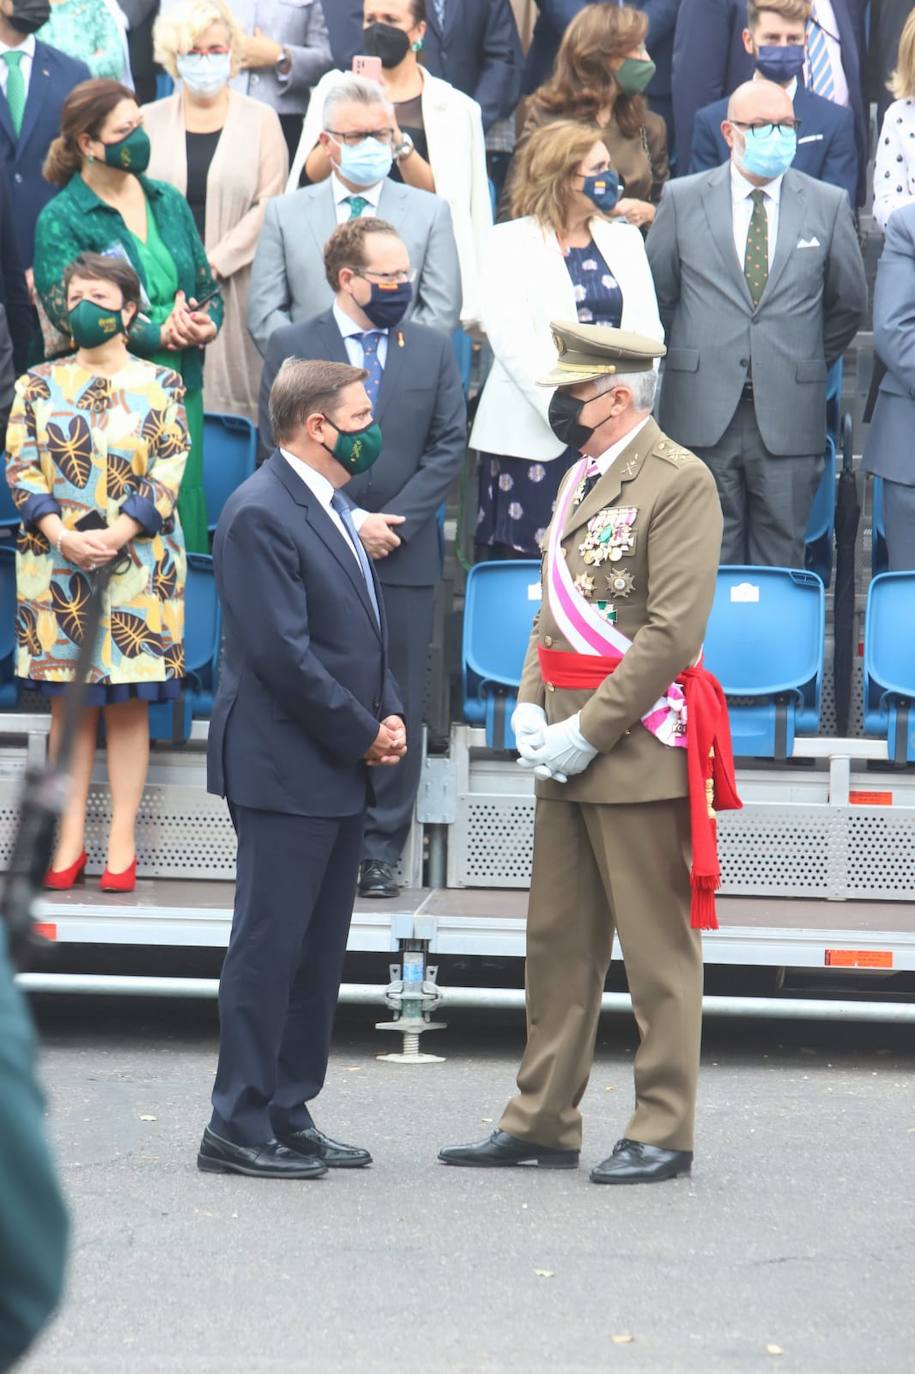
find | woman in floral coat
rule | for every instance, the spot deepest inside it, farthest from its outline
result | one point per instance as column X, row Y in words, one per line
column 97, row 445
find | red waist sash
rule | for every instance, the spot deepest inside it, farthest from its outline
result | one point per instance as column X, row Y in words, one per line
column 709, row 760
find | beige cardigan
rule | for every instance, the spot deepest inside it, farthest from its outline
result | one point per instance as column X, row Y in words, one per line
column 249, row 167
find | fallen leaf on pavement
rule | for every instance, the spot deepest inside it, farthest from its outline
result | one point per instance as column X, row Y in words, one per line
column 774, row 1350
column 486, row 1120
column 624, row 1338
column 544, row 1273
column 149, row 1118
column 611, row 1089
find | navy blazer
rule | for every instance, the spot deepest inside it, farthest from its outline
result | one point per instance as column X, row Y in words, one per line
column 304, row 681
column 556, row 15
column 710, row 62
column 53, row 77
column 423, row 418
column 826, row 140
column 15, row 300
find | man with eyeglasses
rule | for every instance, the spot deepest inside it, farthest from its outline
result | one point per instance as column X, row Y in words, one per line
column 417, row 398
column 288, row 284
column 776, row 39
column 761, row 288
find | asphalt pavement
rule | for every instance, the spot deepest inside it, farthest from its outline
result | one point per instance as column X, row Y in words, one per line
column 791, row 1248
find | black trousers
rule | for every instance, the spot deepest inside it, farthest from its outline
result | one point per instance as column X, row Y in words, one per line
column 409, row 616
column 294, row 892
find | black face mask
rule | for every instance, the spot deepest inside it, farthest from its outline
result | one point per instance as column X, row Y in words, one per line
column 564, row 420
column 386, row 42
column 29, row 15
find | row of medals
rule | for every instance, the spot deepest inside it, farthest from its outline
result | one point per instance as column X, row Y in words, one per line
column 609, row 538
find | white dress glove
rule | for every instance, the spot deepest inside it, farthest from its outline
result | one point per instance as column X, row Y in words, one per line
column 529, row 724
column 564, row 751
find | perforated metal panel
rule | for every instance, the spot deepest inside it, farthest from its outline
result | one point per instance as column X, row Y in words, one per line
column 881, row 853
column 789, row 851
column 491, row 842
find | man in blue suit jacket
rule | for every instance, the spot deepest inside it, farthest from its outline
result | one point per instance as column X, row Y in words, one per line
column 419, row 403
column 49, row 76
column 305, row 704
column 711, row 60
column 826, row 137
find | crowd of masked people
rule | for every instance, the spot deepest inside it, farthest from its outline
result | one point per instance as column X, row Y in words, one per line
column 367, row 183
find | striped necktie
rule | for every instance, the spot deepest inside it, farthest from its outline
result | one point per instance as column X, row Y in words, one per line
column 819, row 64
column 15, row 88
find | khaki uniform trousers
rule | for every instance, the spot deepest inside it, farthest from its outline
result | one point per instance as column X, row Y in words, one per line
column 598, row 868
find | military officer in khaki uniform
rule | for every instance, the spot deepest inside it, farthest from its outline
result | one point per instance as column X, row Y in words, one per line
column 629, row 743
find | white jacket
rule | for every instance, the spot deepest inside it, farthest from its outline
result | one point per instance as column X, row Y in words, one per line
column 525, row 286
column 457, row 155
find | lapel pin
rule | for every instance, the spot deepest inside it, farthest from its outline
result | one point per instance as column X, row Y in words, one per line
column 400, row 338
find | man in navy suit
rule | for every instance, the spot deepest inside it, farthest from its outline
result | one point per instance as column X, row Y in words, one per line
column 417, row 398
column 35, row 80
column 826, row 137
column 306, row 704
column 711, row 60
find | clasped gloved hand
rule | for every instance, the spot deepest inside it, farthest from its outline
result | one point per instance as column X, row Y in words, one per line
column 529, row 725
column 563, row 752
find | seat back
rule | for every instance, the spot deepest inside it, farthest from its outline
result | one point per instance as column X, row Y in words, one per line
column 764, row 643
column 9, row 687
column 889, row 662
column 501, row 599
column 229, row 457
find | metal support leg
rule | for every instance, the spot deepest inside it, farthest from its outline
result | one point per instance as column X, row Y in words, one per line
column 412, row 994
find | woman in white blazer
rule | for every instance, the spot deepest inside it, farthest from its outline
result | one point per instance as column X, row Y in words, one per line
column 438, row 134
column 563, row 258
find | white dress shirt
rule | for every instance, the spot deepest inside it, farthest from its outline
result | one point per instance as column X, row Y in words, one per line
column 742, row 210
column 826, row 23
column 342, row 194
column 27, row 48
column 350, row 331
column 321, row 488
column 609, row 456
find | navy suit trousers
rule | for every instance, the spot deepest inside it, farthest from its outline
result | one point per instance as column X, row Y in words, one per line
column 294, row 891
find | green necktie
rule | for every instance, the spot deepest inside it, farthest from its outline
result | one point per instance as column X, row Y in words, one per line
column 15, row 88
column 756, row 259
column 356, row 205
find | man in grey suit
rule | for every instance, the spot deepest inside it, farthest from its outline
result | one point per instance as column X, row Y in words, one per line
column 417, row 398
column 761, row 287
column 288, row 284
column 888, row 450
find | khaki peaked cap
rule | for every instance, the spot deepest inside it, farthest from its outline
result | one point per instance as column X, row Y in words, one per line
column 589, row 351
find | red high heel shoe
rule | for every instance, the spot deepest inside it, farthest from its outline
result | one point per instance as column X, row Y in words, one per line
column 119, row 882
column 62, row 879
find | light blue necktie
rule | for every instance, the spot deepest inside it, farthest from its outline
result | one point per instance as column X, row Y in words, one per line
column 439, row 7
column 339, row 504
column 371, row 362
column 819, row 64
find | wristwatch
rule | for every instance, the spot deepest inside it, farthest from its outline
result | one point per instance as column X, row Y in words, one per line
column 404, row 148
column 283, row 63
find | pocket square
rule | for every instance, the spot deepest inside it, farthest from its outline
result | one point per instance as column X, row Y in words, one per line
column 810, row 138
column 809, row 243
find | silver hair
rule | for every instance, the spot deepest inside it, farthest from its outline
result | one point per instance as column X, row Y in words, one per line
column 353, row 90
column 643, row 386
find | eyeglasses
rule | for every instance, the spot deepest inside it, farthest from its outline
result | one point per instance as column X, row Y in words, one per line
column 385, row 278
column 352, row 140
column 790, row 126
column 208, row 52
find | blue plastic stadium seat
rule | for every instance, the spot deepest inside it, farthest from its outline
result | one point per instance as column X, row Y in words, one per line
column 171, row 720
column 822, row 523
column 765, row 645
column 889, row 663
column 9, row 687
column 501, row 599
column 463, row 354
column 880, row 557
column 229, row 456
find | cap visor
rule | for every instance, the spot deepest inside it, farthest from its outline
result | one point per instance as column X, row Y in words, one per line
column 564, row 376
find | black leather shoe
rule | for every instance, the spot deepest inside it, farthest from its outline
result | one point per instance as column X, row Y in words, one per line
column 501, row 1150
column 376, row 879
column 269, row 1160
column 633, row 1161
column 313, row 1144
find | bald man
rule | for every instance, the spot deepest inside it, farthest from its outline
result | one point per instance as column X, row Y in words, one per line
column 761, row 288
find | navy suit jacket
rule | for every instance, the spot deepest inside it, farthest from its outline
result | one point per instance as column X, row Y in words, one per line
column 304, row 682
column 556, row 15
column 479, row 50
column 826, row 141
column 710, row 62
column 21, row 320
column 53, row 77
column 423, row 418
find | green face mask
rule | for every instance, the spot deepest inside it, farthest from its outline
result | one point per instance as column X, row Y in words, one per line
column 634, row 74
column 92, row 325
column 356, row 449
column 130, row 154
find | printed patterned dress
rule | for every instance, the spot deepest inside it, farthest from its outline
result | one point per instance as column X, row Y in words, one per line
column 78, row 442
column 516, row 495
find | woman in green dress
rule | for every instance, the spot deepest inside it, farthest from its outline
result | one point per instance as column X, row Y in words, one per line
column 107, row 206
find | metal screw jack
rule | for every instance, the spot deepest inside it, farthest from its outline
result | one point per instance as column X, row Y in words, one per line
column 412, row 995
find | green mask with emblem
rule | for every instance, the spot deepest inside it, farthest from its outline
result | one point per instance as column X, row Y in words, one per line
column 356, row 449
column 92, row 325
column 131, row 153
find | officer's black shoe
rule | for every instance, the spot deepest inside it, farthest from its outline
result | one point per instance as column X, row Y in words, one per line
column 500, row 1150
column 313, row 1144
column 268, row 1160
column 376, row 879
column 633, row 1161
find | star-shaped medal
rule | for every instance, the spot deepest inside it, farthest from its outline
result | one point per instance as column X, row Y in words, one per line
column 621, row 583
column 584, row 583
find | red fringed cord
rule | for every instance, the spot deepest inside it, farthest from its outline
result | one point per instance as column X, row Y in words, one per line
column 712, row 786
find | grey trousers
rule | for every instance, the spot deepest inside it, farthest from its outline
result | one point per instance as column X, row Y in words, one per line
column 409, row 616
column 899, row 520
column 765, row 499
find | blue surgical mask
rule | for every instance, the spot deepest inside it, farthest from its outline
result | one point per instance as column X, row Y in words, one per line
column 367, row 163
column 604, row 188
column 780, row 63
column 768, row 155
column 204, row 72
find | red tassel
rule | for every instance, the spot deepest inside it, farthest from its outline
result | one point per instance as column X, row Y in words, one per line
column 702, row 907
